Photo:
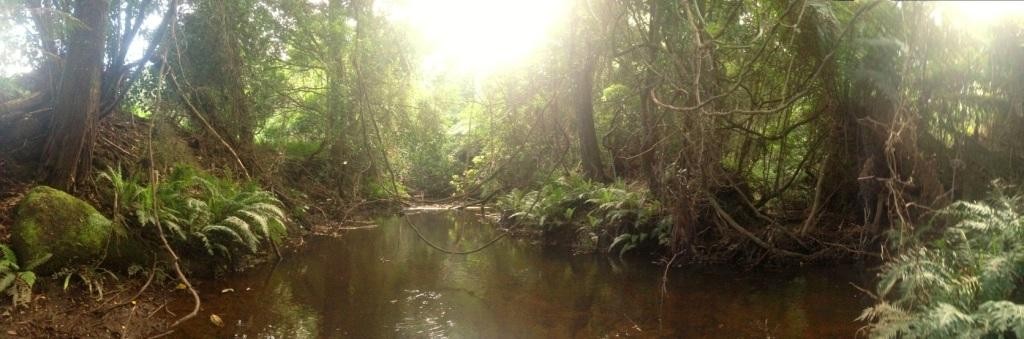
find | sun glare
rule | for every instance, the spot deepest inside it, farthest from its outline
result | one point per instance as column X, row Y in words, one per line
column 977, row 14
column 477, row 36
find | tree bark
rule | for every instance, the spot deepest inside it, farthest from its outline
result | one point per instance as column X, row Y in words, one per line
column 583, row 99
column 647, row 105
column 233, row 64
column 67, row 156
column 581, row 96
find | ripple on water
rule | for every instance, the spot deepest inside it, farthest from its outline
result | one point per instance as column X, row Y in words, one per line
column 426, row 315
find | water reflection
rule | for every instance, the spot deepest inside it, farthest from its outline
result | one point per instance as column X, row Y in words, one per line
column 385, row 283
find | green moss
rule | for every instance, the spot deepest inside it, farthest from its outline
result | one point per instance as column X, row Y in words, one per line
column 97, row 231
column 51, row 221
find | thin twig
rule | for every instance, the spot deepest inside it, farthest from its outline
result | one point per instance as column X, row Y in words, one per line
column 152, row 273
column 154, row 184
column 664, row 290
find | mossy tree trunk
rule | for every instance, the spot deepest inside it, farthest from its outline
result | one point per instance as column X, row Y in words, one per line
column 67, row 156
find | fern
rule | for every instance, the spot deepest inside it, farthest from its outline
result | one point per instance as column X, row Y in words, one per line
column 212, row 216
column 93, row 278
column 959, row 284
column 15, row 279
column 621, row 213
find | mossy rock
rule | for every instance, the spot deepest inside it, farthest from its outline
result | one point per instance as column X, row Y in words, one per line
column 48, row 220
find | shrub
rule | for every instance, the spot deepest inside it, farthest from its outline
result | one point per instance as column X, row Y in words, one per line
column 203, row 214
column 960, row 284
column 624, row 215
column 17, row 280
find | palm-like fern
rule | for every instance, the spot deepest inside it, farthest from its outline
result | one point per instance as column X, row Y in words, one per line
column 957, row 285
column 206, row 213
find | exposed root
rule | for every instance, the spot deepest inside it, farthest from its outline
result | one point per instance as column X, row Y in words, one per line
column 754, row 238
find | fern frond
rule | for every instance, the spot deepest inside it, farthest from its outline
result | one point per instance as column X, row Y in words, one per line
column 267, row 209
column 244, row 230
column 1002, row 316
column 256, row 219
column 204, row 241
column 223, row 230
column 958, row 285
column 7, row 280
column 9, row 259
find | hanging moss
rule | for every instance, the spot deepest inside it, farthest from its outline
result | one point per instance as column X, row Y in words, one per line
column 51, row 221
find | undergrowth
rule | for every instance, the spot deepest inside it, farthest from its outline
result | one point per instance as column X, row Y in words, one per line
column 16, row 279
column 963, row 283
column 205, row 215
column 618, row 216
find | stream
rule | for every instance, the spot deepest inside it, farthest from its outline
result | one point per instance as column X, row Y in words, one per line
column 384, row 282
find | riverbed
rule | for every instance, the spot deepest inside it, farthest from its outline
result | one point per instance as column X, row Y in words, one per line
column 384, row 282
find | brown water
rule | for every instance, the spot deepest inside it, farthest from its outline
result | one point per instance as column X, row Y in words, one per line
column 385, row 283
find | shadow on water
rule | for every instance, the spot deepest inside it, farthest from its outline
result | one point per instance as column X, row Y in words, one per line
column 384, row 283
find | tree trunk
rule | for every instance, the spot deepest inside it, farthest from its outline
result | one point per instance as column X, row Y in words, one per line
column 68, row 153
column 337, row 115
column 334, row 67
column 647, row 105
column 241, row 123
column 581, row 54
column 584, row 102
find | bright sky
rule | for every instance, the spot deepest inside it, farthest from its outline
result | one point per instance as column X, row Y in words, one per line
column 477, row 37
column 978, row 15
column 13, row 59
column 481, row 37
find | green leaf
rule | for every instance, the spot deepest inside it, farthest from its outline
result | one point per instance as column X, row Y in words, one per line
column 67, row 280
column 6, row 281
column 28, row 278
column 32, row 264
column 618, row 240
column 8, row 257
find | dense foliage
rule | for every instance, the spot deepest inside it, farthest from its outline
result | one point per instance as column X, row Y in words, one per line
column 803, row 113
column 727, row 130
column 616, row 216
column 963, row 283
column 16, row 279
column 205, row 215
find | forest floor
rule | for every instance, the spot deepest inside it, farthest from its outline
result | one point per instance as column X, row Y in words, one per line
column 125, row 309
column 121, row 310
column 77, row 313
